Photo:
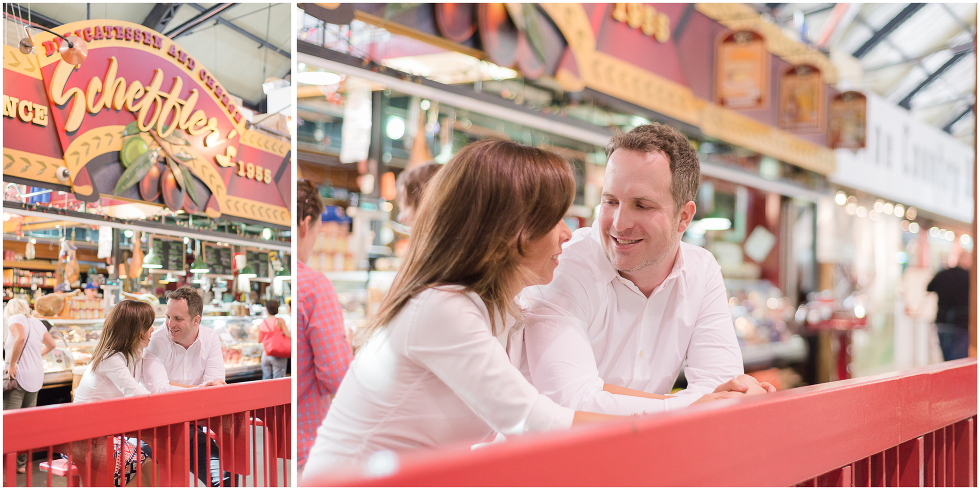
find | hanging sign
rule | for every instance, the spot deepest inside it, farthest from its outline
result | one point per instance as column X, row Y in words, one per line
column 801, row 99
column 848, row 121
column 742, row 71
column 170, row 252
column 139, row 119
column 259, row 261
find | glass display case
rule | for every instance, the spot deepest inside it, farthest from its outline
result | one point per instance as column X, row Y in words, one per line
column 75, row 340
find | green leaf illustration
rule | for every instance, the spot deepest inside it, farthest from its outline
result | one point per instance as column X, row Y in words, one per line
column 135, row 172
column 174, row 138
column 131, row 129
column 178, row 175
column 190, row 187
column 532, row 22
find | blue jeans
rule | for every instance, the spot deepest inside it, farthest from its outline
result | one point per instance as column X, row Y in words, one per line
column 954, row 341
column 273, row 367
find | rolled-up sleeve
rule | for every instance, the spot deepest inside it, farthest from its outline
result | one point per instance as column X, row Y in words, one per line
column 449, row 336
column 713, row 356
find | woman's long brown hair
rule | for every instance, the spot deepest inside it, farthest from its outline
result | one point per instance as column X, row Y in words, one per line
column 474, row 223
column 123, row 328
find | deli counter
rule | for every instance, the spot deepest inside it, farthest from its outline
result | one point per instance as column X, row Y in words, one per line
column 75, row 340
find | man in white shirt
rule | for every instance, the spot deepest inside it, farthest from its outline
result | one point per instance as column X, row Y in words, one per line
column 190, row 356
column 630, row 302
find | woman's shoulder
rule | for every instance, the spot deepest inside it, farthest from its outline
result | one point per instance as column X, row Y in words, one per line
column 19, row 319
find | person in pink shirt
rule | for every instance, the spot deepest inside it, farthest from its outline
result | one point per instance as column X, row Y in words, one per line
column 323, row 352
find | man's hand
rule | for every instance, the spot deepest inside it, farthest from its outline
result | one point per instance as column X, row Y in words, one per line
column 215, row 382
column 719, row 395
column 746, row 384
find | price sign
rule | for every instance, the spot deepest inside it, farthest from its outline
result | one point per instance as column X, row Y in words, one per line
column 218, row 260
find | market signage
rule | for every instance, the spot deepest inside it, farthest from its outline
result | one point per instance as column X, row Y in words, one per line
column 801, row 99
column 910, row 162
column 170, row 252
column 742, row 71
column 218, row 260
column 848, row 120
column 139, row 119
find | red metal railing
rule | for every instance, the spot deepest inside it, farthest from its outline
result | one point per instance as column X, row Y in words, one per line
column 915, row 427
column 249, row 422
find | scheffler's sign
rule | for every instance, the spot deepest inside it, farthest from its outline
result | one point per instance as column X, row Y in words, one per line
column 139, row 119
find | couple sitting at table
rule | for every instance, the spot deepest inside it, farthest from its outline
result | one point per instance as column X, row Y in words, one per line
column 130, row 359
column 485, row 332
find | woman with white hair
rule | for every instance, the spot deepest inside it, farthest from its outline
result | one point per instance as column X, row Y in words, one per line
column 27, row 340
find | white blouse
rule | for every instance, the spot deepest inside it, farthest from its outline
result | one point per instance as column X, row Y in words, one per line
column 114, row 378
column 436, row 375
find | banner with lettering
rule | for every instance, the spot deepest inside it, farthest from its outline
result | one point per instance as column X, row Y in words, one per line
column 140, row 120
column 910, row 162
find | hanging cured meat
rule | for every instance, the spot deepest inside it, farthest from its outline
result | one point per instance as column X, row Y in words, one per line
column 52, row 304
column 136, row 265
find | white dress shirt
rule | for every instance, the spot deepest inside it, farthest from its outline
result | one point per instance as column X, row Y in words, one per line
column 114, row 378
column 434, row 376
column 199, row 364
column 592, row 326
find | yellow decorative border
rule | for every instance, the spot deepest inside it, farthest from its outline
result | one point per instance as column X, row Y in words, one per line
column 262, row 142
column 612, row 76
column 24, row 64
column 247, row 208
column 31, row 166
column 737, row 16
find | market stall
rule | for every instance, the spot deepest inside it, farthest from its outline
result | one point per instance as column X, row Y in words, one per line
column 130, row 171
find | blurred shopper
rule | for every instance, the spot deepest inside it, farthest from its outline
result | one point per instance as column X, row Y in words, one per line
column 190, row 356
column 324, row 354
column 411, row 183
column 115, row 371
column 630, row 302
column 952, row 317
column 275, row 337
column 26, row 341
column 434, row 366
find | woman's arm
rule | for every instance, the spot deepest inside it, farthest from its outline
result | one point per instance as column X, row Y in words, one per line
column 17, row 332
column 172, row 383
column 114, row 367
column 619, row 390
column 283, row 327
column 48, row 342
column 589, row 417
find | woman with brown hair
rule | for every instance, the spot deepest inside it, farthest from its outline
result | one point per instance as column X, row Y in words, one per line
column 115, row 372
column 434, row 368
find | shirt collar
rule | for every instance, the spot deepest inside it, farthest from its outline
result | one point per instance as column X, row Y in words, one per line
column 608, row 273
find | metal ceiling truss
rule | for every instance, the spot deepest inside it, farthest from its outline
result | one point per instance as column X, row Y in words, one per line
column 13, row 10
column 161, row 15
column 907, row 101
column 245, row 33
column 209, row 14
column 888, row 28
column 949, row 126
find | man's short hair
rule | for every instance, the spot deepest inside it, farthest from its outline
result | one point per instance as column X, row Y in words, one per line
column 685, row 169
column 195, row 303
column 411, row 183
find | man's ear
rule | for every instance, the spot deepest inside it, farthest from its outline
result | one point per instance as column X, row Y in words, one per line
column 686, row 215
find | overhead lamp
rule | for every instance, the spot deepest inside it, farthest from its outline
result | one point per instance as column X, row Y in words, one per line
column 247, row 271
column 840, row 198
column 199, row 267
column 286, row 274
column 152, row 261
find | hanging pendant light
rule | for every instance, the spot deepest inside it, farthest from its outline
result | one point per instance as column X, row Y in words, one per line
column 152, row 261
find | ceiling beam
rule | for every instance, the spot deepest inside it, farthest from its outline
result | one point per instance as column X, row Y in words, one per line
column 920, row 59
column 949, row 126
column 888, row 28
column 907, row 101
column 161, row 15
column 13, row 10
column 205, row 16
column 253, row 37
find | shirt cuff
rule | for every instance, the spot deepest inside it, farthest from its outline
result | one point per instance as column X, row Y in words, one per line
column 548, row 415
